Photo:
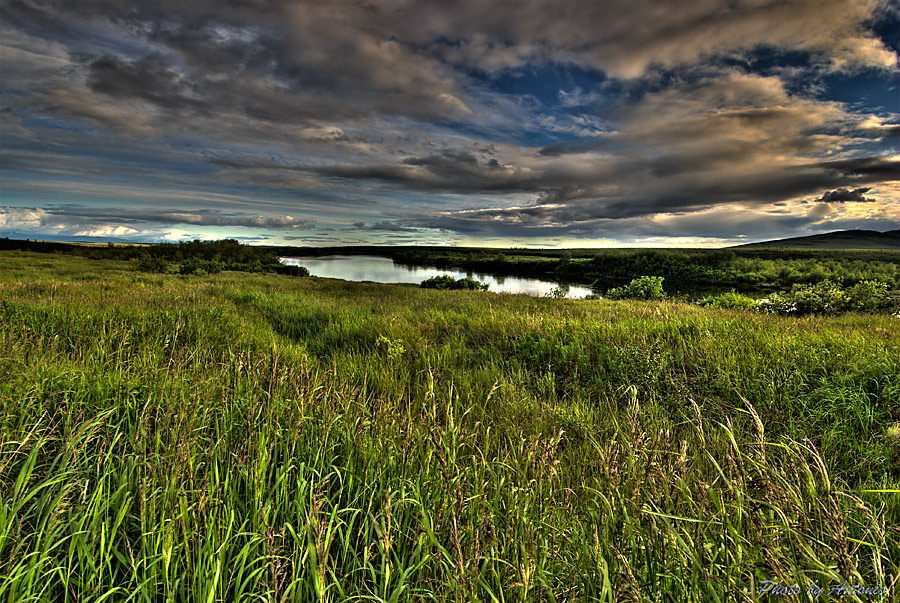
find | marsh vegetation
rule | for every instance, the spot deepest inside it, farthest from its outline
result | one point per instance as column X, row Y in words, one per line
column 248, row 436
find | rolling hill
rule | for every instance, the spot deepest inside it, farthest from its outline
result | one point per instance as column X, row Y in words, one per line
column 842, row 239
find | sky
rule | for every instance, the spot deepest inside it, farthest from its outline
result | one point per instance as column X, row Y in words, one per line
column 526, row 123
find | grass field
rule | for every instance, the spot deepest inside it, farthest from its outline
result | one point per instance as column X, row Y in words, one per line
column 258, row 437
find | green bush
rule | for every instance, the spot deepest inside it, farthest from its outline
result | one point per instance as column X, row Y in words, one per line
column 825, row 297
column 828, row 297
column 644, row 287
column 393, row 349
column 151, row 263
column 732, row 299
column 869, row 296
column 557, row 293
column 445, row 281
column 199, row 267
column 777, row 303
column 820, row 298
column 290, row 270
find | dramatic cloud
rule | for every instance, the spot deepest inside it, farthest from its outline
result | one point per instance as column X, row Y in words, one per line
column 525, row 120
column 842, row 195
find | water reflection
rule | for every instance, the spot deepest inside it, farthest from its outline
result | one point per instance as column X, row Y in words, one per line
column 383, row 270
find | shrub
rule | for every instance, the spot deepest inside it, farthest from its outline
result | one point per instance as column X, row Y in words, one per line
column 828, row 297
column 732, row 299
column 391, row 348
column 557, row 293
column 445, row 281
column 199, row 267
column 151, row 263
column 290, row 270
column 777, row 303
column 644, row 287
column 869, row 296
column 825, row 297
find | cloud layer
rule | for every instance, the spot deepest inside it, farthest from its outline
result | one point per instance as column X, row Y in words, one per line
column 502, row 122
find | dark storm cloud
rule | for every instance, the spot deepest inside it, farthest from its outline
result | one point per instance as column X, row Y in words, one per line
column 843, row 195
column 557, row 148
column 448, row 171
column 457, row 170
column 150, row 78
column 310, row 60
column 70, row 100
column 870, row 169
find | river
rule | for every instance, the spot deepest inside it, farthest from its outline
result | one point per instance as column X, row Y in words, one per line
column 383, row 270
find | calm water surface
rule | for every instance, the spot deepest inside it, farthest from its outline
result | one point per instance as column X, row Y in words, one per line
column 384, row 270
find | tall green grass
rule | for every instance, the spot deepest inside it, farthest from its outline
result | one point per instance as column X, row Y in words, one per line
column 241, row 437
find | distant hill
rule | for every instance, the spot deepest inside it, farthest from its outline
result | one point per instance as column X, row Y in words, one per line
column 842, row 239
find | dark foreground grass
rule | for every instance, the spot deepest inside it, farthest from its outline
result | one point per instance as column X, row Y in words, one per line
column 263, row 438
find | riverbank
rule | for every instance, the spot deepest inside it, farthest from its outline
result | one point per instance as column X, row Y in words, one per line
column 235, row 435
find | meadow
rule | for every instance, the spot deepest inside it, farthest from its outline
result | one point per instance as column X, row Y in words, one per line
column 246, row 436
